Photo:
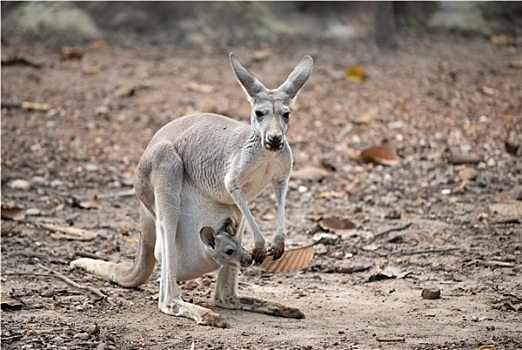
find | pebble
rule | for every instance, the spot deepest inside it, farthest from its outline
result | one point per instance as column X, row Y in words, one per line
column 32, row 212
column 56, row 183
column 19, row 184
column 468, row 174
column 431, row 293
column 325, row 238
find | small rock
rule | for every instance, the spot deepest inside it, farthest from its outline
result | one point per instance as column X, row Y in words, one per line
column 325, row 238
column 464, row 158
column 47, row 292
column 488, row 91
column 474, row 318
column 468, row 174
column 19, row 184
column 93, row 329
column 431, row 293
column 56, row 183
column 102, row 111
column 32, row 212
column 445, row 191
column 91, row 168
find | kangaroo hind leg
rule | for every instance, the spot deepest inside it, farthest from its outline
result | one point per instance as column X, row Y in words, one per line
column 166, row 179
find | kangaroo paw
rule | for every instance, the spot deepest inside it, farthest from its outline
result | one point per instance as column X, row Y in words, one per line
column 259, row 253
column 278, row 247
column 260, row 306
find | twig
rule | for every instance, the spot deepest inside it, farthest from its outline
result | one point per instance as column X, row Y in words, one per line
column 77, row 285
column 391, row 339
column 424, row 251
column 83, row 254
column 385, row 232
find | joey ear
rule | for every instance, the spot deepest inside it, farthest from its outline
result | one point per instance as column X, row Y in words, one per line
column 298, row 77
column 208, row 236
column 250, row 84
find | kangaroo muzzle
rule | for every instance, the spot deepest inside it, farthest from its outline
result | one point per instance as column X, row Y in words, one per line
column 274, row 142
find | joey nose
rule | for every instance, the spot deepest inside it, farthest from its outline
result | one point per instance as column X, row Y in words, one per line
column 246, row 262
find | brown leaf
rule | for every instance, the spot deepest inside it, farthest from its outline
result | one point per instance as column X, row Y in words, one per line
column 129, row 239
column 99, row 44
column 336, row 224
column 384, row 155
column 13, row 213
column 310, row 173
column 292, row 260
column 355, row 74
column 71, row 53
column 8, row 302
column 262, row 55
column 68, row 232
column 487, row 347
column 92, row 203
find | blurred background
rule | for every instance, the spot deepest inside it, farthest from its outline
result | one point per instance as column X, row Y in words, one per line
column 250, row 23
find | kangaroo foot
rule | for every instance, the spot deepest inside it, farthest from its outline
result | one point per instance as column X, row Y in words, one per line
column 260, row 306
column 201, row 315
column 259, row 253
column 278, row 247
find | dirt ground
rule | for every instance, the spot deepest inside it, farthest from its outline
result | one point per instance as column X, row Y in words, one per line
column 447, row 216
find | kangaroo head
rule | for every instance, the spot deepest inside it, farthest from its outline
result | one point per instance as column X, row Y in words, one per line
column 225, row 247
column 271, row 108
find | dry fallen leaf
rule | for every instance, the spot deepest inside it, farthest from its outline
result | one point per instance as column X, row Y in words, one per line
column 487, row 347
column 292, row 260
column 336, row 224
column 384, row 155
column 197, row 87
column 68, row 232
column 99, row 44
column 129, row 239
column 261, row 55
column 356, row 74
column 13, row 213
column 310, row 173
column 92, row 203
column 8, row 302
column 70, row 53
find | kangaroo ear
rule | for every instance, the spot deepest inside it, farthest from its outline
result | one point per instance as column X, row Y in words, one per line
column 298, row 77
column 250, row 84
column 208, row 236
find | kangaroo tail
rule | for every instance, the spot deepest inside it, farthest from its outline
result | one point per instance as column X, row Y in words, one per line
column 125, row 274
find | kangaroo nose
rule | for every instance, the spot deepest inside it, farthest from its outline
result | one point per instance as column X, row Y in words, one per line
column 274, row 141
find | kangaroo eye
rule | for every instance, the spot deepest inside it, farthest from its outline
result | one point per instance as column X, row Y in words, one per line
column 286, row 115
column 229, row 251
column 259, row 114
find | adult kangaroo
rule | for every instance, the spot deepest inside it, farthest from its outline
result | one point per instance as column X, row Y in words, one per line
column 197, row 171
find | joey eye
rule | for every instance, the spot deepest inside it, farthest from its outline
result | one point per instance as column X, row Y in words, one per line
column 259, row 114
column 229, row 251
column 286, row 115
